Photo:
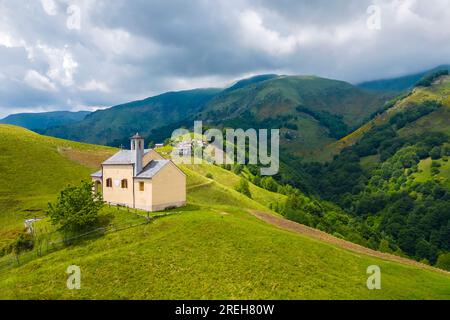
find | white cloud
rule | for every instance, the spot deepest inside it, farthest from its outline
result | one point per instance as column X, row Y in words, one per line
column 37, row 81
column 184, row 83
column 62, row 65
column 253, row 33
column 94, row 85
column 119, row 42
column 5, row 40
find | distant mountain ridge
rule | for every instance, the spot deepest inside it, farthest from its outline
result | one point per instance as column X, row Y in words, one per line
column 310, row 111
column 112, row 126
column 178, row 105
column 44, row 120
column 268, row 101
column 399, row 83
column 252, row 80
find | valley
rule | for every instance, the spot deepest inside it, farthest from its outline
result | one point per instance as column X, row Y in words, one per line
column 309, row 232
column 212, row 249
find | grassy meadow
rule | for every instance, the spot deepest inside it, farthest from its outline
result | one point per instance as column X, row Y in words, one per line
column 214, row 248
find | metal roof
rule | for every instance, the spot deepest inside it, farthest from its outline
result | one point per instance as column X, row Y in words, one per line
column 124, row 157
column 152, row 168
column 97, row 174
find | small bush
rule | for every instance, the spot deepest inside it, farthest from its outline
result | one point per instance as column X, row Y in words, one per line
column 209, row 175
column 443, row 261
column 435, row 153
column 435, row 164
column 23, row 243
column 434, row 171
column 244, row 188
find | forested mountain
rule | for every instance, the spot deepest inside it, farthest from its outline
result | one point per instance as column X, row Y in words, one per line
column 44, row 120
column 113, row 126
column 396, row 174
column 310, row 111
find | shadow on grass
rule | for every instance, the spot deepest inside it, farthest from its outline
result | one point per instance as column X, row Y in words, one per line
column 188, row 207
column 95, row 231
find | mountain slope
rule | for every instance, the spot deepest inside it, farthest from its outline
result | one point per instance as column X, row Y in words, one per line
column 437, row 120
column 112, row 126
column 252, row 80
column 311, row 112
column 213, row 248
column 393, row 173
column 44, row 120
column 400, row 83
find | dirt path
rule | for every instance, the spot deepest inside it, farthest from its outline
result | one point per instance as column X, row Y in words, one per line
column 323, row 236
column 200, row 185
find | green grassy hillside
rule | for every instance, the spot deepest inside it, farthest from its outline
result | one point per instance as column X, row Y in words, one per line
column 33, row 169
column 425, row 172
column 213, row 248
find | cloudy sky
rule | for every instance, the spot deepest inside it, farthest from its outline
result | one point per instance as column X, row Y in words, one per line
column 82, row 55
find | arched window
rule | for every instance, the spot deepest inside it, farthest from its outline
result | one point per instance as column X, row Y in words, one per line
column 109, row 183
column 124, row 184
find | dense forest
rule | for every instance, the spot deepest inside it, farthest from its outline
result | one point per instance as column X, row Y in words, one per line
column 403, row 215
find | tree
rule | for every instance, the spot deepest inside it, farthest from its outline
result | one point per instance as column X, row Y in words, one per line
column 269, row 183
column 76, row 208
column 435, row 153
column 443, row 261
column 424, row 250
column 244, row 188
column 446, row 150
column 384, row 246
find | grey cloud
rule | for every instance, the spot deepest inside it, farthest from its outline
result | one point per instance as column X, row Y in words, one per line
column 132, row 49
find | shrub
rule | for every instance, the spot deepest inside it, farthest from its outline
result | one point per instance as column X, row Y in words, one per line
column 434, row 171
column 384, row 246
column 244, row 188
column 23, row 242
column 435, row 164
column 270, row 184
column 209, row 175
column 435, row 153
column 443, row 261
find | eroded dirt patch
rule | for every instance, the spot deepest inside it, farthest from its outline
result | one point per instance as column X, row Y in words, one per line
column 89, row 158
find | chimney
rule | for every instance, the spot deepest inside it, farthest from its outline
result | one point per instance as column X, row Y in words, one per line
column 137, row 146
